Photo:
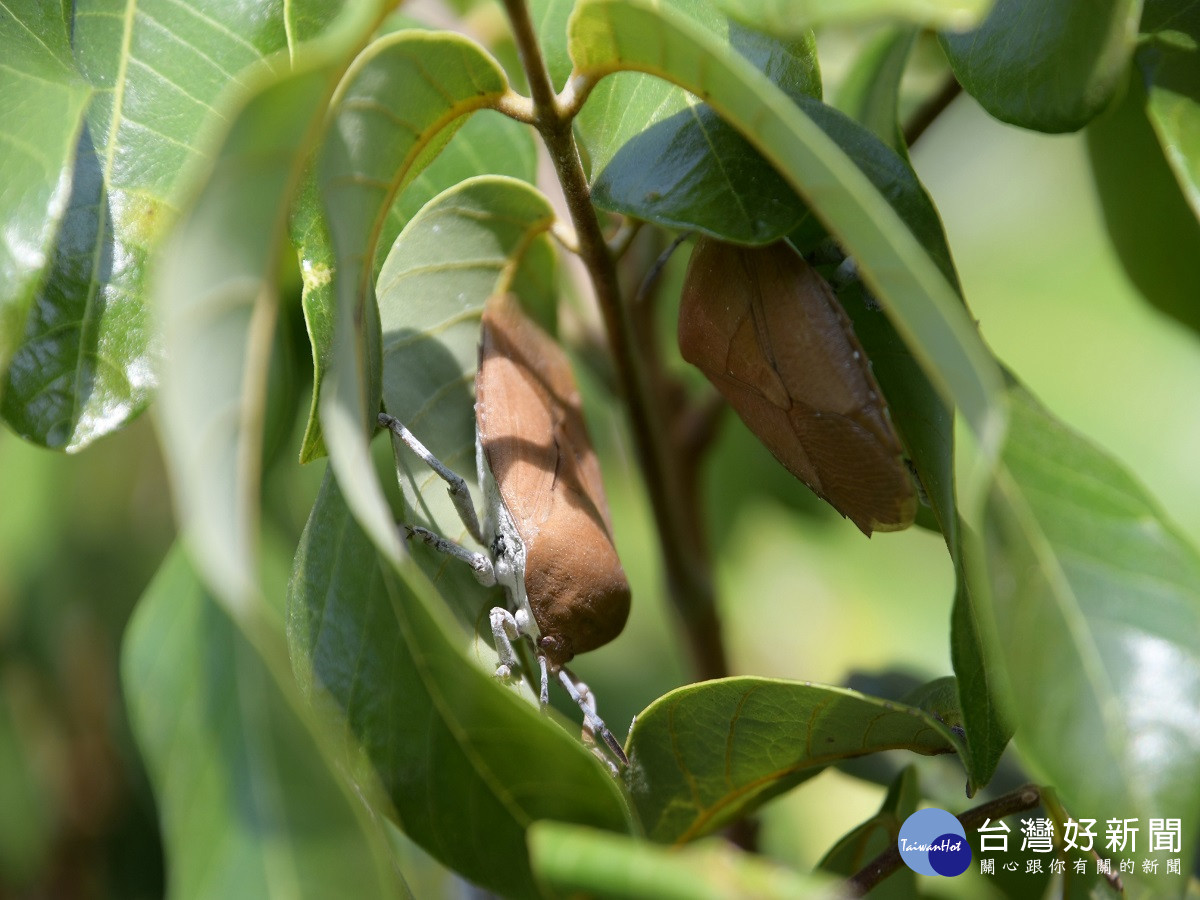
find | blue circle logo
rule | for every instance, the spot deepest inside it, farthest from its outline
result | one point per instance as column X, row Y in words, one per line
column 933, row 842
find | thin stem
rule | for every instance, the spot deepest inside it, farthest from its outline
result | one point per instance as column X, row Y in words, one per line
column 928, row 112
column 887, row 862
column 688, row 580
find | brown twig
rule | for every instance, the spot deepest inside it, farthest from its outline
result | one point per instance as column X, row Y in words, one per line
column 887, row 862
column 689, row 582
column 928, row 112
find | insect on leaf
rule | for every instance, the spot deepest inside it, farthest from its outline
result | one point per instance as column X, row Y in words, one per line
column 768, row 332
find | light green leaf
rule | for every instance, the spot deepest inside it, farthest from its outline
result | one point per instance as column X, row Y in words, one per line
column 790, row 17
column 488, row 143
column 469, row 765
column 570, row 860
column 1169, row 64
column 249, row 806
column 706, row 754
column 659, row 155
column 42, row 98
column 923, row 305
column 870, row 92
column 398, row 106
column 163, row 73
column 1050, row 65
column 465, row 245
column 1095, row 617
column 216, row 301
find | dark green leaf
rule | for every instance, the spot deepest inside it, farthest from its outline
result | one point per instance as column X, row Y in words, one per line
column 1095, row 618
column 706, row 754
column 42, row 98
column 248, row 803
column 569, row 860
column 1155, row 232
column 468, row 764
column 465, row 245
column 1050, row 65
column 658, row 154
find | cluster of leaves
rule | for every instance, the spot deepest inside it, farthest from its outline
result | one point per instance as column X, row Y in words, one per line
column 168, row 153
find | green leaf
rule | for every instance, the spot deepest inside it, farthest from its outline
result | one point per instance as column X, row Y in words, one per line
column 161, row 72
column 706, row 754
column 658, row 154
column 1168, row 63
column 42, row 98
column 465, row 245
column 878, row 833
column 1155, row 232
column 249, row 806
column 468, row 764
column 1095, row 616
column 570, row 860
column 607, row 35
column 1049, row 65
column 398, row 106
column 216, row 297
column 870, row 92
column 488, row 143
column 790, row 17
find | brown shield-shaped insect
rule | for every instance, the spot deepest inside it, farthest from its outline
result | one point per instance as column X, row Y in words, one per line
column 769, row 333
column 533, row 439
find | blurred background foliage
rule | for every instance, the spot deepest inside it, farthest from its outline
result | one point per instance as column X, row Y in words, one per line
column 803, row 595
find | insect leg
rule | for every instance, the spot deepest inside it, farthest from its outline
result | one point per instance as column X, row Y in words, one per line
column 504, row 632
column 592, row 723
column 485, row 572
column 456, row 487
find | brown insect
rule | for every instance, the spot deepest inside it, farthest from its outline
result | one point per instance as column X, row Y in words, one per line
column 546, row 525
column 767, row 330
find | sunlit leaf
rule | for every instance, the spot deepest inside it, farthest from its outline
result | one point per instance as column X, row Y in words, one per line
column 1095, row 615
column 468, row 764
column 706, row 754
column 248, row 804
column 163, row 72
column 789, row 17
column 42, row 98
column 569, row 860
column 1050, row 65
column 870, row 92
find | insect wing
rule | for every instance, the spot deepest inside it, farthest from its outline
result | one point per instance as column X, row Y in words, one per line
column 535, row 442
column 768, row 332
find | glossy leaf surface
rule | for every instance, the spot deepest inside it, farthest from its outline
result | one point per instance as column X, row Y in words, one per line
column 1050, row 65
column 42, row 99
column 706, row 754
column 374, row 651
column 792, row 16
column 1095, row 613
